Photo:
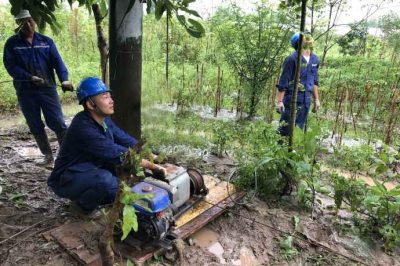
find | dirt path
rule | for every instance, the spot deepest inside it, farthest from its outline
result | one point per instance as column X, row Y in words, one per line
column 243, row 236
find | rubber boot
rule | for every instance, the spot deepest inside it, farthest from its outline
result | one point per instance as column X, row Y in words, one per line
column 60, row 137
column 44, row 146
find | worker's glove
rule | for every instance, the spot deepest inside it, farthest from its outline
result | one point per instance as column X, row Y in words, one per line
column 37, row 81
column 280, row 108
column 67, row 86
column 317, row 104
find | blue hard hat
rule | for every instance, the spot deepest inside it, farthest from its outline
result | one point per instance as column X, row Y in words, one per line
column 90, row 87
column 295, row 40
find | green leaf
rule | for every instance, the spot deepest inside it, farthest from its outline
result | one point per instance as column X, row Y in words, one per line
column 51, row 5
column 16, row 6
column 15, row 196
column 149, row 4
column 182, row 20
column 379, row 186
column 296, row 221
column 395, row 192
column 103, row 7
column 129, row 221
column 160, row 8
column 190, row 11
column 286, row 243
column 70, row 2
column 321, row 189
column 187, row 2
column 381, row 168
column 197, row 25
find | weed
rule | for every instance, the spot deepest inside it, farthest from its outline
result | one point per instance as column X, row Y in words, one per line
column 288, row 251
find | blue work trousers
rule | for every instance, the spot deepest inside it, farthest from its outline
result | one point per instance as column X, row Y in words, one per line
column 301, row 118
column 32, row 103
column 89, row 185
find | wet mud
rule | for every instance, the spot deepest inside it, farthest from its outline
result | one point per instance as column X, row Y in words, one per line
column 249, row 234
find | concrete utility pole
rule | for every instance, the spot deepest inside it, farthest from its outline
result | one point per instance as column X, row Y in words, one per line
column 125, row 33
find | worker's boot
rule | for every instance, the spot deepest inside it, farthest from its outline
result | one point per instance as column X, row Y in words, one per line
column 60, row 137
column 44, row 146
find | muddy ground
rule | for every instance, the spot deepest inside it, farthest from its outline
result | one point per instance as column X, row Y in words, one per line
column 250, row 234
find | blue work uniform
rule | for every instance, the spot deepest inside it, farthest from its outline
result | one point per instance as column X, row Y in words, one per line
column 308, row 79
column 39, row 58
column 84, row 168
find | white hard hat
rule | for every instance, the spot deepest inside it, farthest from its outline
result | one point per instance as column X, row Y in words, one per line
column 23, row 14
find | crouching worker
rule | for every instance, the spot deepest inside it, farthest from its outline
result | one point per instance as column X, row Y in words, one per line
column 84, row 170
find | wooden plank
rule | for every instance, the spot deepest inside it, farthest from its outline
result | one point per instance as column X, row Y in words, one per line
column 134, row 254
column 210, row 181
column 202, row 219
column 71, row 237
column 216, row 194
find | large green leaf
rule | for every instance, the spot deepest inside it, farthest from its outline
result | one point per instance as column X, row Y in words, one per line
column 129, row 221
column 16, row 6
column 149, row 6
column 196, row 25
column 187, row 2
column 160, row 8
column 395, row 192
column 190, row 11
column 103, row 7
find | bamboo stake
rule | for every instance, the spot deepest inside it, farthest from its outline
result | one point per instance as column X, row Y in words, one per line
column 339, row 110
column 343, row 125
column 351, row 110
column 377, row 103
column 217, row 92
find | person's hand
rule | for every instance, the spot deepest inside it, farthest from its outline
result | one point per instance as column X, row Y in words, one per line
column 67, row 86
column 37, row 81
column 317, row 105
column 280, row 108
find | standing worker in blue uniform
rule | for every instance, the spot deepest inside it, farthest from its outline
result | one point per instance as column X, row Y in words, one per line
column 31, row 58
column 308, row 84
column 84, row 170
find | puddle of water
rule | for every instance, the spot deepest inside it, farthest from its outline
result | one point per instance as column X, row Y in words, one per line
column 208, row 239
column 368, row 180
column 202, row 111
column 205, row 238
column 29, row 152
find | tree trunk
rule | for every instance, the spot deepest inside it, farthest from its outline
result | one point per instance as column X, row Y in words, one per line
column 312, row 17
column 106, row 243
column 325, row 50
column 125, row 30
column 252, row 109
column 167, row 56
column 101, row 43
column 293, row 104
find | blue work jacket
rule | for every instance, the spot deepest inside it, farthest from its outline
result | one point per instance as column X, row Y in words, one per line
column 24, row 60
column 308, row 77
column 90, row 145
